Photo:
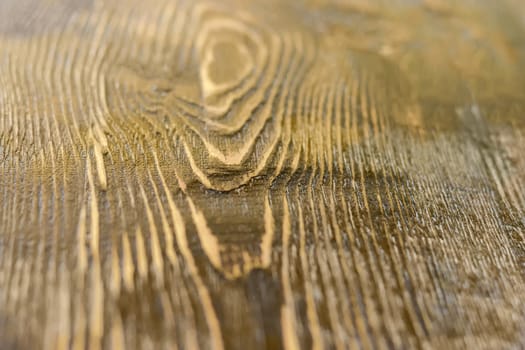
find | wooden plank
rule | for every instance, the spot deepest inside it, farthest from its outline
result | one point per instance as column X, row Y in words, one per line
column 262, row 174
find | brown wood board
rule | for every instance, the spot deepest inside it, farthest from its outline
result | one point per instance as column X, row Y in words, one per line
column 262, row 174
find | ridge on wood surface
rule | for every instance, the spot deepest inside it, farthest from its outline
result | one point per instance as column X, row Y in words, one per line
column 262, row 174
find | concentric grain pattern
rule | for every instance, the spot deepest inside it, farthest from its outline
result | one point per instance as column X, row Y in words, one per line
column 261, row 174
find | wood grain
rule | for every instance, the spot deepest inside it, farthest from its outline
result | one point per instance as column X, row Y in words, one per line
column 262, row 174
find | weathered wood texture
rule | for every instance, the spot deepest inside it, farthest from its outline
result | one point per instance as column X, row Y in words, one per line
column 270, row 174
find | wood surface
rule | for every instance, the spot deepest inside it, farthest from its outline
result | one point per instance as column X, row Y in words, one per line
column 262, row 174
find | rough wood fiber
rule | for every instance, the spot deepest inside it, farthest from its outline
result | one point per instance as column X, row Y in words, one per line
column 270, row 174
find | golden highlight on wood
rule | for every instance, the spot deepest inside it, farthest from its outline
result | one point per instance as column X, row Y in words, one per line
column 263, row 174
